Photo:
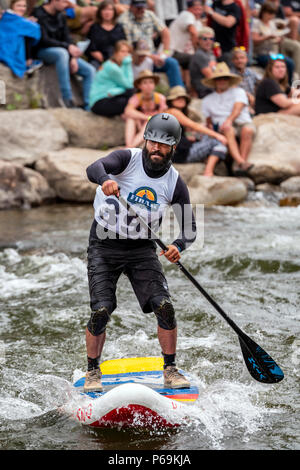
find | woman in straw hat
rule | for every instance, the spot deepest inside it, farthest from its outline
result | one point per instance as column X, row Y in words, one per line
column 206, row 144
column 142, row 105
column 227, row 110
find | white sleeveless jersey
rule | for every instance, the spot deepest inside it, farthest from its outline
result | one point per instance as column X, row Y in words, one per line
column 149, row 197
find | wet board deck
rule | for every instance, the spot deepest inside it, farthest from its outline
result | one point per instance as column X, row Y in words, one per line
column 133, row 387
column 140, row 370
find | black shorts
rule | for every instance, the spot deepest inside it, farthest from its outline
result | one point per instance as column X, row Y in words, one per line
column 141, row 265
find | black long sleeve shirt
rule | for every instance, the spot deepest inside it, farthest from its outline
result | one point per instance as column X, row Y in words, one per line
column 54, row 29
column 115, row 163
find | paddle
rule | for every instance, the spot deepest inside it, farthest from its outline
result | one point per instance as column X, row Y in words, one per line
column 260, row 365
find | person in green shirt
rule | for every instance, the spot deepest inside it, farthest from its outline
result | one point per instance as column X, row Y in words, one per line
column 113, row 83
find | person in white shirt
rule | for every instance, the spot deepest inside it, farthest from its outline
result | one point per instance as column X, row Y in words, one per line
column 166, row 10
column 226, row 110
column 184, row 32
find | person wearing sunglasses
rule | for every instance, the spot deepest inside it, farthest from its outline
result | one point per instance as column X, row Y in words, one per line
column 203, row 62
column 273, row 93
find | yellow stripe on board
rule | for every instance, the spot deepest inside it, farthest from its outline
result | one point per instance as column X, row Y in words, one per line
column 131, row 364
column 183, row 399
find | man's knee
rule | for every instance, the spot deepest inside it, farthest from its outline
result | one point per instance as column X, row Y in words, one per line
column 62, row 55
column 98, row 321
column 165, row 313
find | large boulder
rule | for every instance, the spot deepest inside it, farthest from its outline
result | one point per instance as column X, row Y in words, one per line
column 217, row 190
column 27, row 135
column 188, row 170
column 88, row 130
column 65, row 172
column 291, row 188
column 39, row 90
column 22, row 187
column 275, row 151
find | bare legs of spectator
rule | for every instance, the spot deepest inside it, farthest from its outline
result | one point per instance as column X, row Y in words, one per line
column 87, row 18
column 134, row 133
column 212, row 160
column 294, row 27
column 234, row 148
column 246, row 138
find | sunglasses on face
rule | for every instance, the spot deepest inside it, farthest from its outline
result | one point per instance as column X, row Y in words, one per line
column 207, row 39
column 277, row 56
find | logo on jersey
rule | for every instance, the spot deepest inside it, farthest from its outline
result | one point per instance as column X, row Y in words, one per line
column 145, row 197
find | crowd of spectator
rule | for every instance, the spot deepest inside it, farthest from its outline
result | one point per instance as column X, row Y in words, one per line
column 206, row 49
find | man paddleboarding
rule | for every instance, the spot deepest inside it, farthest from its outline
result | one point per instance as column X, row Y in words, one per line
column 118, row 244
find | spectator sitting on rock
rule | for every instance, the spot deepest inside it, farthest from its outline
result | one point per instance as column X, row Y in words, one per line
column 141, row 106
column 104, row 34
column 19, row 7
column 203, row 62
column 273, row 93
column 226, row 110
column 139, row 23
column 250, row 78
column 198, row 142
column 184, row 35
column 268, row 39
column 14, row 31
column 113, row 83
column 56, row 47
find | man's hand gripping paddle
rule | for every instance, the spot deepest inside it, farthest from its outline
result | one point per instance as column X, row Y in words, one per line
column 260, row 365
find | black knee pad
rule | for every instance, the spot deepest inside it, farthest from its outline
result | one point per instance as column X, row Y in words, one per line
column 98, row 321
column 165, row 315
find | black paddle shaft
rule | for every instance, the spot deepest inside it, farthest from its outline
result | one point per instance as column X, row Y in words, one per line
column 260, row 365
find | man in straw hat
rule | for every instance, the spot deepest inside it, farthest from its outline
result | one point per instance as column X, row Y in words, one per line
column 142, row 105
column 226, row 110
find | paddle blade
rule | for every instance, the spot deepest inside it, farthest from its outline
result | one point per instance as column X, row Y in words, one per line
column 260, row 365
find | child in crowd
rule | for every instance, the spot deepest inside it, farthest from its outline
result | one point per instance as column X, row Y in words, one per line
column 142, row 105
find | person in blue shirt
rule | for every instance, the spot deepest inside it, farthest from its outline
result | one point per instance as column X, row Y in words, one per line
column 14, row 31
column 113, row 83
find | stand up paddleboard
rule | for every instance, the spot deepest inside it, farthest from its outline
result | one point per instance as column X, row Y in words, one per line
column 133, row 396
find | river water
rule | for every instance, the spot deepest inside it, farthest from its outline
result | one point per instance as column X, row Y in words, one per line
column 249, row 262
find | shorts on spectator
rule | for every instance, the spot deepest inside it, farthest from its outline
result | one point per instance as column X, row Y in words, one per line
column 238, row 128
column 183, row 59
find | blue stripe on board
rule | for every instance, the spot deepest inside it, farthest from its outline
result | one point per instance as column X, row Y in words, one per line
column 162, row 391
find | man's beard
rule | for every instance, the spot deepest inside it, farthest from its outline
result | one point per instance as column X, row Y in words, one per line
column 157, row 166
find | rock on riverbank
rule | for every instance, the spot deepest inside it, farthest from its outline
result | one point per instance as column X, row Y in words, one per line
column 46, row 152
